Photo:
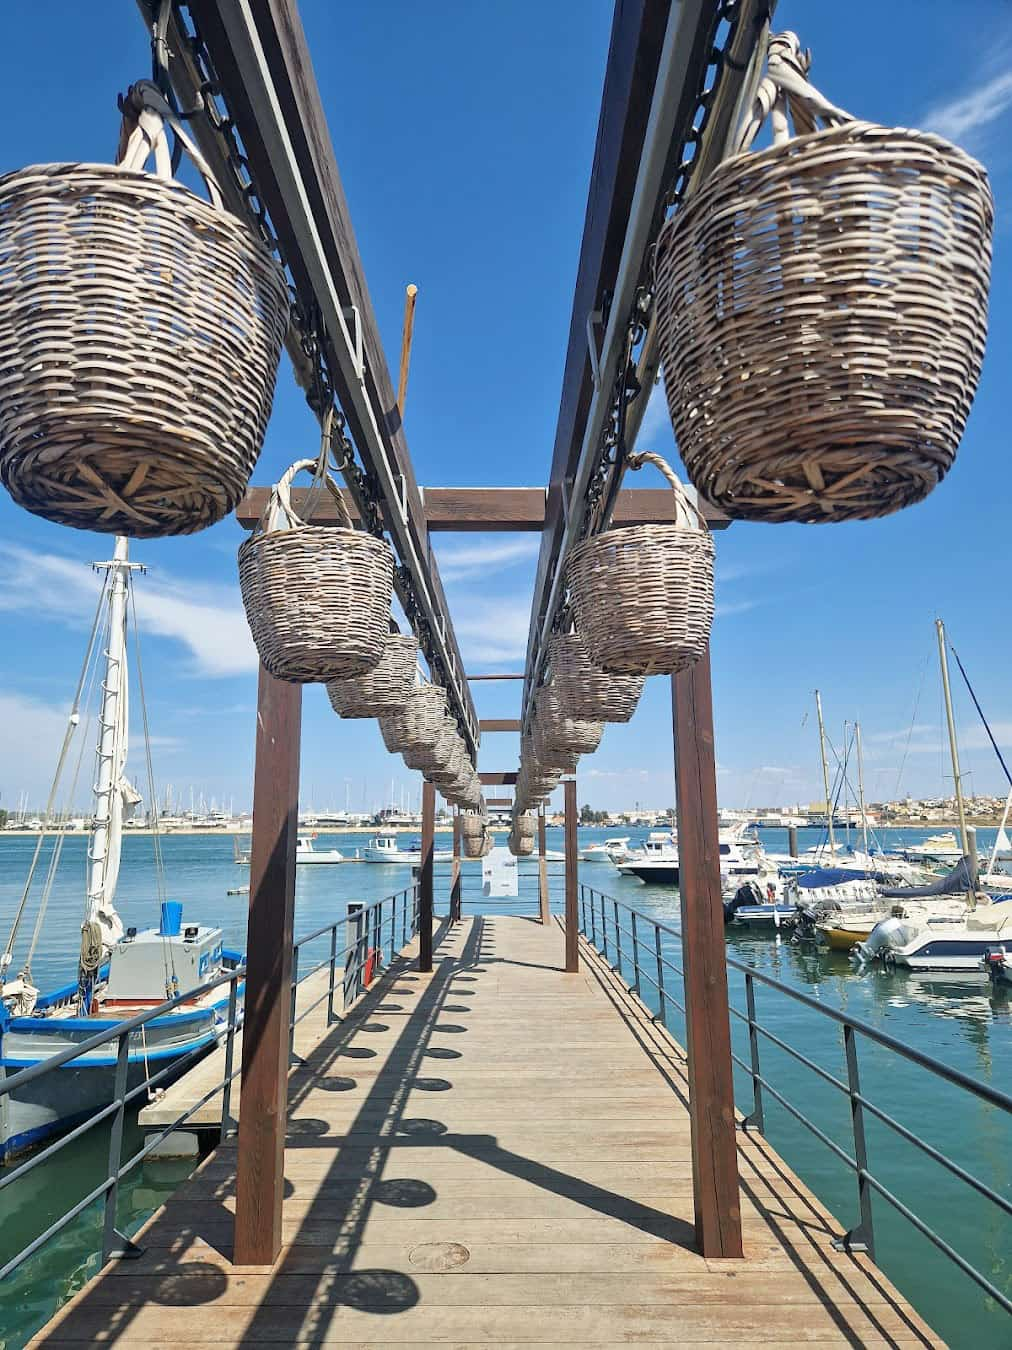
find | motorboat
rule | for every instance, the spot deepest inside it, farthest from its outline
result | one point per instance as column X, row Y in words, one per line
column 923, row 940
column 609, row 850
column 656, row 862
column 120, row 971
column 307, row 852
column 759, row 903
column 939, row 848
column 741, row 860
column 385, row 848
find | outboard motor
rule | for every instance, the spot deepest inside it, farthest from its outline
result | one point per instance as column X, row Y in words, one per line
column 747, row 894
column 887, row 935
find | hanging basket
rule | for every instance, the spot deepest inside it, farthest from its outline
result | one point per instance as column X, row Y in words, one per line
column 643, row 594
column 520, row 845
column 317, row 598
column 473, row 834
column 140, row 333
column 557, row 733
column 382, row 689
column 586, row 691
column 822, row 311
column 417, row 723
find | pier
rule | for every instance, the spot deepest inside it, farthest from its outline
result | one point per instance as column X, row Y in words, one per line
column 493, row 1153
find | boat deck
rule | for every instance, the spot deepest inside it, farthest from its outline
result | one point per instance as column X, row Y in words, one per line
column 493, row 1154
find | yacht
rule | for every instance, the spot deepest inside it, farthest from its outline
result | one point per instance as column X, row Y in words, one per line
column 741, row 860
column 385, row 848
column 610, row 850
column 939, row 848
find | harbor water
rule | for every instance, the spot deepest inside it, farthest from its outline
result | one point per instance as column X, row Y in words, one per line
column 958, row 1020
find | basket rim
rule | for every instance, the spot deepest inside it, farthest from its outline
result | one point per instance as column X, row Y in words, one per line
column 729, row 169
column 659, row 530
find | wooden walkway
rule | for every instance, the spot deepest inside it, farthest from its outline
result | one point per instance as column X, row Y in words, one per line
column 493, row 1154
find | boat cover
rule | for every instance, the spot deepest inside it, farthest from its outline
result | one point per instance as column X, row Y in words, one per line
column 833, row 876
column 959, row 879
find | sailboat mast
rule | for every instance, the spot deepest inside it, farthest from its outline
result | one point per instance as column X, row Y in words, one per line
column 825, row 773
column 860, row 786
column 954, row 751
column 109, row 727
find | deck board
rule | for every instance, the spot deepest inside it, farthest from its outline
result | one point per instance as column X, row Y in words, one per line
column 496, row 1154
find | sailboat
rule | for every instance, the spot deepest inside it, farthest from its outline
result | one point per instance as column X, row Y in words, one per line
column 120, row 971
column 920, row 936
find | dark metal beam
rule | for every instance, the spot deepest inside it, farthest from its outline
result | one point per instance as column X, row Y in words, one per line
column 268, row 83
column 572, row 880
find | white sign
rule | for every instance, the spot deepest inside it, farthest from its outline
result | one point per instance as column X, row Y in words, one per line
column 499, row 873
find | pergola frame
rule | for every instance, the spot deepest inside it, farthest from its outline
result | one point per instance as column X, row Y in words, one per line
column 667, row 87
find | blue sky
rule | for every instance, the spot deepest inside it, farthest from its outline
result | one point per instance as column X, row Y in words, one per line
column 465, row 137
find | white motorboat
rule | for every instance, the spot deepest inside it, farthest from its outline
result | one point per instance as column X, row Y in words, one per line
column 741, row 860
column 924, row 940
column 307, row 852
column 939, row 848
column 609, row 850
column 120, row 973
column 657, row 861
column 385, row 848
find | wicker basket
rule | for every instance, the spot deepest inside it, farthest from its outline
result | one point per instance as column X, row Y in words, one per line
column 418, row 722
column 317, row 599
column 473, row 834
column 557, row 733
column 383, row 689
column 520, row 845
column 822, row 312
column 586, row 691
column 140, row 333
column 643, row 594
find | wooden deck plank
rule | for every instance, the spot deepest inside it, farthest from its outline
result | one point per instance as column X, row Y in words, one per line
column 531, row 1187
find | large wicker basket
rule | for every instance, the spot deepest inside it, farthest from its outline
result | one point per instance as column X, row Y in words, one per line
column 520, row 845
column 643, row 594
column 586, row 691
column 473, row 834
column 822, row 312
column 383, row 689
column 317, row 598
column 140, row 333
column 417, row 723
column 559, row 733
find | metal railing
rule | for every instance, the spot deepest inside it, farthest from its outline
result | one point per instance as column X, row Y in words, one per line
column 600, row 924
column 366, row 939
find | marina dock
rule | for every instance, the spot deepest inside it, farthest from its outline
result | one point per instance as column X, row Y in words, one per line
column 493, row 1153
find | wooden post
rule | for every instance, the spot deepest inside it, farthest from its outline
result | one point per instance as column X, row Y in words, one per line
column 455, row 901
column 406, row 335
column 707, row 1021
column 572, row 916
column 261, row 1152
column 425, row 877
column 544, row 901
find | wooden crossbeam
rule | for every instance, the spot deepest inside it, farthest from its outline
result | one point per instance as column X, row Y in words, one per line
column 498, row 801
column 497, row 779
column 499, row 724
column 519, row 510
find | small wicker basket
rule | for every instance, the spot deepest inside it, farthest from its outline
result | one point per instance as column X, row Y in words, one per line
column 557, row 733
column 520, row 845
column 586, row 691
column 418, row 722
column 317, row 599
column 643, row 594
column 383, row 689
column 140, row 334
column 473, row 834
column 822, row 311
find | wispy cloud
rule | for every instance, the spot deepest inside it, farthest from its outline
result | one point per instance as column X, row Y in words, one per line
column 656, row 425
column 467, row 560
column 962, row 117
column 492, row 633
column 207, row 620
column 722, row 611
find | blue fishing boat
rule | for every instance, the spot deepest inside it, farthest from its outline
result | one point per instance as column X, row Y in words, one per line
column 120, row 971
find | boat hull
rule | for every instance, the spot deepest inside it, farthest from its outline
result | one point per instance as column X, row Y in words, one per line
column 664, row 874
column 840, row 938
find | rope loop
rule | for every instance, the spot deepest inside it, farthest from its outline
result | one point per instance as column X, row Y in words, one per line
column 146, row 113
column 685, row 507
column 280, row 503
column 785, row 95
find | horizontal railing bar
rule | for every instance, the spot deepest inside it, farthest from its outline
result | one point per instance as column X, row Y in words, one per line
column 802, row 1059
column 944, row 1071
column 36, row 1159
column 55, row 1227
column 991, row 1290
column 831, row 1144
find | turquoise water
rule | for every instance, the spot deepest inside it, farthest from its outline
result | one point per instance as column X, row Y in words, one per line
column 960, row 1022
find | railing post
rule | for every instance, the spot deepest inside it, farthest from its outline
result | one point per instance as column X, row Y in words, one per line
column 618, row 938
column 404, row 918
column 114, row 1243
column 604, row 932
column 636, row 955
column 393, row 929
column 294, row 998
column 593, row 920
column 662, row 1001
column 331, row 1014
column 544, row 897
column 353, row 957
column 756, row 1120
column 861, row 1238
column 583, row 909
column 455, row 875
column 227, row 1123
column 715, row 1184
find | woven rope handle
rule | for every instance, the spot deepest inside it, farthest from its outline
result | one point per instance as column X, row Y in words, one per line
column 145, row 116
column 280, row 502
column 683, row 502
column 785, row 89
